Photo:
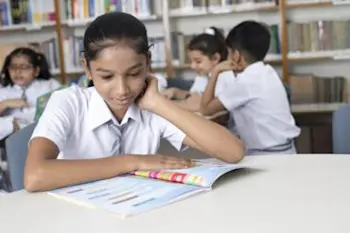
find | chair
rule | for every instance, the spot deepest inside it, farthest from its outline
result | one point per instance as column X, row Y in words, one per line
column 341, row 130
column 180, row 83
column 16, row 147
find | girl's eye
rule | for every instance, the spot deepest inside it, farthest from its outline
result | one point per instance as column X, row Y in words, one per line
column 135, row 74
column 107, row 77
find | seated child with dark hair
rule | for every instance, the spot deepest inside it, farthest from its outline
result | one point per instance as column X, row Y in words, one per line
column 205, row 51
column 256, row 98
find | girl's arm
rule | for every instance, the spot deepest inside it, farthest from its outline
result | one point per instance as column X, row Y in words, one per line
column 175, row 93
column 209, row 137
column 12, row 103
column 3, row 107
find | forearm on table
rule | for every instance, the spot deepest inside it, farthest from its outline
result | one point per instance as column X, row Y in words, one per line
column 181, row 94
column 55, row 173
column 3, row 107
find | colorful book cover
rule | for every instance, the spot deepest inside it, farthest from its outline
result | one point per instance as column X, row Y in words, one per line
column 143, row 191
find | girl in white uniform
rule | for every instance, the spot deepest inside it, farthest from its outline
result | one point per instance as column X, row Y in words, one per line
column 115, row 126
column 24, row 77
column 205, row 51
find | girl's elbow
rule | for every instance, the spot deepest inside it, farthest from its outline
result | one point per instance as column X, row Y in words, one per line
column 32, row 180
column 235, row 153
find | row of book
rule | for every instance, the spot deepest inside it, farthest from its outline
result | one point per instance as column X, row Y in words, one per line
column 73, row 48
column 15, row 12
column 309, row 88
column 213, row 5
column 180, row 42
column 85, row 9
column 321, row 35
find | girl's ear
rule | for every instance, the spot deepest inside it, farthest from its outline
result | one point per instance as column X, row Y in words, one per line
column 86, row 68
column 36, row 72
column 216, row 58
column 149, row 61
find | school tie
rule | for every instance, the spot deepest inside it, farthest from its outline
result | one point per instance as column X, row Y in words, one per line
column 118, row 131
column 24, row 95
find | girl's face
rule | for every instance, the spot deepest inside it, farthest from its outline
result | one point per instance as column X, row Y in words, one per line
column 201, row 63
column 119, row 75
column 21, row 71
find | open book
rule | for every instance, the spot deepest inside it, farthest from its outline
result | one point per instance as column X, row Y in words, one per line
column 140, row 191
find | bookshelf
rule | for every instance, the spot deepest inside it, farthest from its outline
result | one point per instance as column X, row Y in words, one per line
column 65, row 20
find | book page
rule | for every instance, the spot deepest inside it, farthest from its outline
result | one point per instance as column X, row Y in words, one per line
column 126, row 195
column 204, row 173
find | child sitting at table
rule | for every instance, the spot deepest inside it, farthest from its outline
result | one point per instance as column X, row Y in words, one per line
column 24, row 77
column 205, row 51
column 114, row 127
column 256, row 98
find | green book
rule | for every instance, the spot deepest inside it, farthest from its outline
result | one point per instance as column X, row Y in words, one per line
column 42, row 101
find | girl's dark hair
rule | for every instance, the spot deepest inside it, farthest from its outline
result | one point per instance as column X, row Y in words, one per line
column 210, row 43
column 114, row 28
column 38, row 60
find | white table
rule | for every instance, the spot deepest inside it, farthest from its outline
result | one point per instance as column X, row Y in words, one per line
column 302, row 193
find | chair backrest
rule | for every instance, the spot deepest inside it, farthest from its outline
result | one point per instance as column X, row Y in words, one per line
column 16, row 147
column 341, row 130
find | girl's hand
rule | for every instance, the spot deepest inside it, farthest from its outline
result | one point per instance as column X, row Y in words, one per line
column 16, row 126
column 147, row 98
column 161, row 162
column 194, row 99
column 169, row 93
column 16, row 103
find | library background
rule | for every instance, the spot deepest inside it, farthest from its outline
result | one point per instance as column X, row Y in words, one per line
column 310, row 45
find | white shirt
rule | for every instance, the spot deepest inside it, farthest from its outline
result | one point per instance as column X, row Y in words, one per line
column 201, row 82
column 80, row 123
column 258, row 105
column 25, row 115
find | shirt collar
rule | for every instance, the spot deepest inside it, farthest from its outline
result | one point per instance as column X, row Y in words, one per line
column 99, row 113
column 254, row 67
column 18, row 87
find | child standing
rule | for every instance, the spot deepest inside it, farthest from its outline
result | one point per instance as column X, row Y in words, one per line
column 115, row 126
column 205, row 51
column 256, row 97
column 24, row 77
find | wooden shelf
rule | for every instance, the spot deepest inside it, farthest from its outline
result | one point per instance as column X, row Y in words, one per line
column 86, row 21
column 310, row 4
column 26, row 27
column 320, row 56
column 227, row 10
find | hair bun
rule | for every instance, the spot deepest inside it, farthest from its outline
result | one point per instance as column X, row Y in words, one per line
column 209, row 31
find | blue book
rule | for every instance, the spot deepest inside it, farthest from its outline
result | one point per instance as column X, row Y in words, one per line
column 143, row 191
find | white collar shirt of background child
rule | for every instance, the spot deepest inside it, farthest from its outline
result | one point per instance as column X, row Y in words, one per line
column 24, row 116
column 258, row 104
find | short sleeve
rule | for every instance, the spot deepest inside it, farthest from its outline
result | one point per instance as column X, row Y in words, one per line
column 58, row 117
column 171, row 133
column 235, row 95
column 54, row 84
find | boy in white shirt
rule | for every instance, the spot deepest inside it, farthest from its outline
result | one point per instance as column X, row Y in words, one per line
column 256, row 97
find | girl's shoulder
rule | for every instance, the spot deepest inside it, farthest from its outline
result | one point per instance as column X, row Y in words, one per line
column 51, row 83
